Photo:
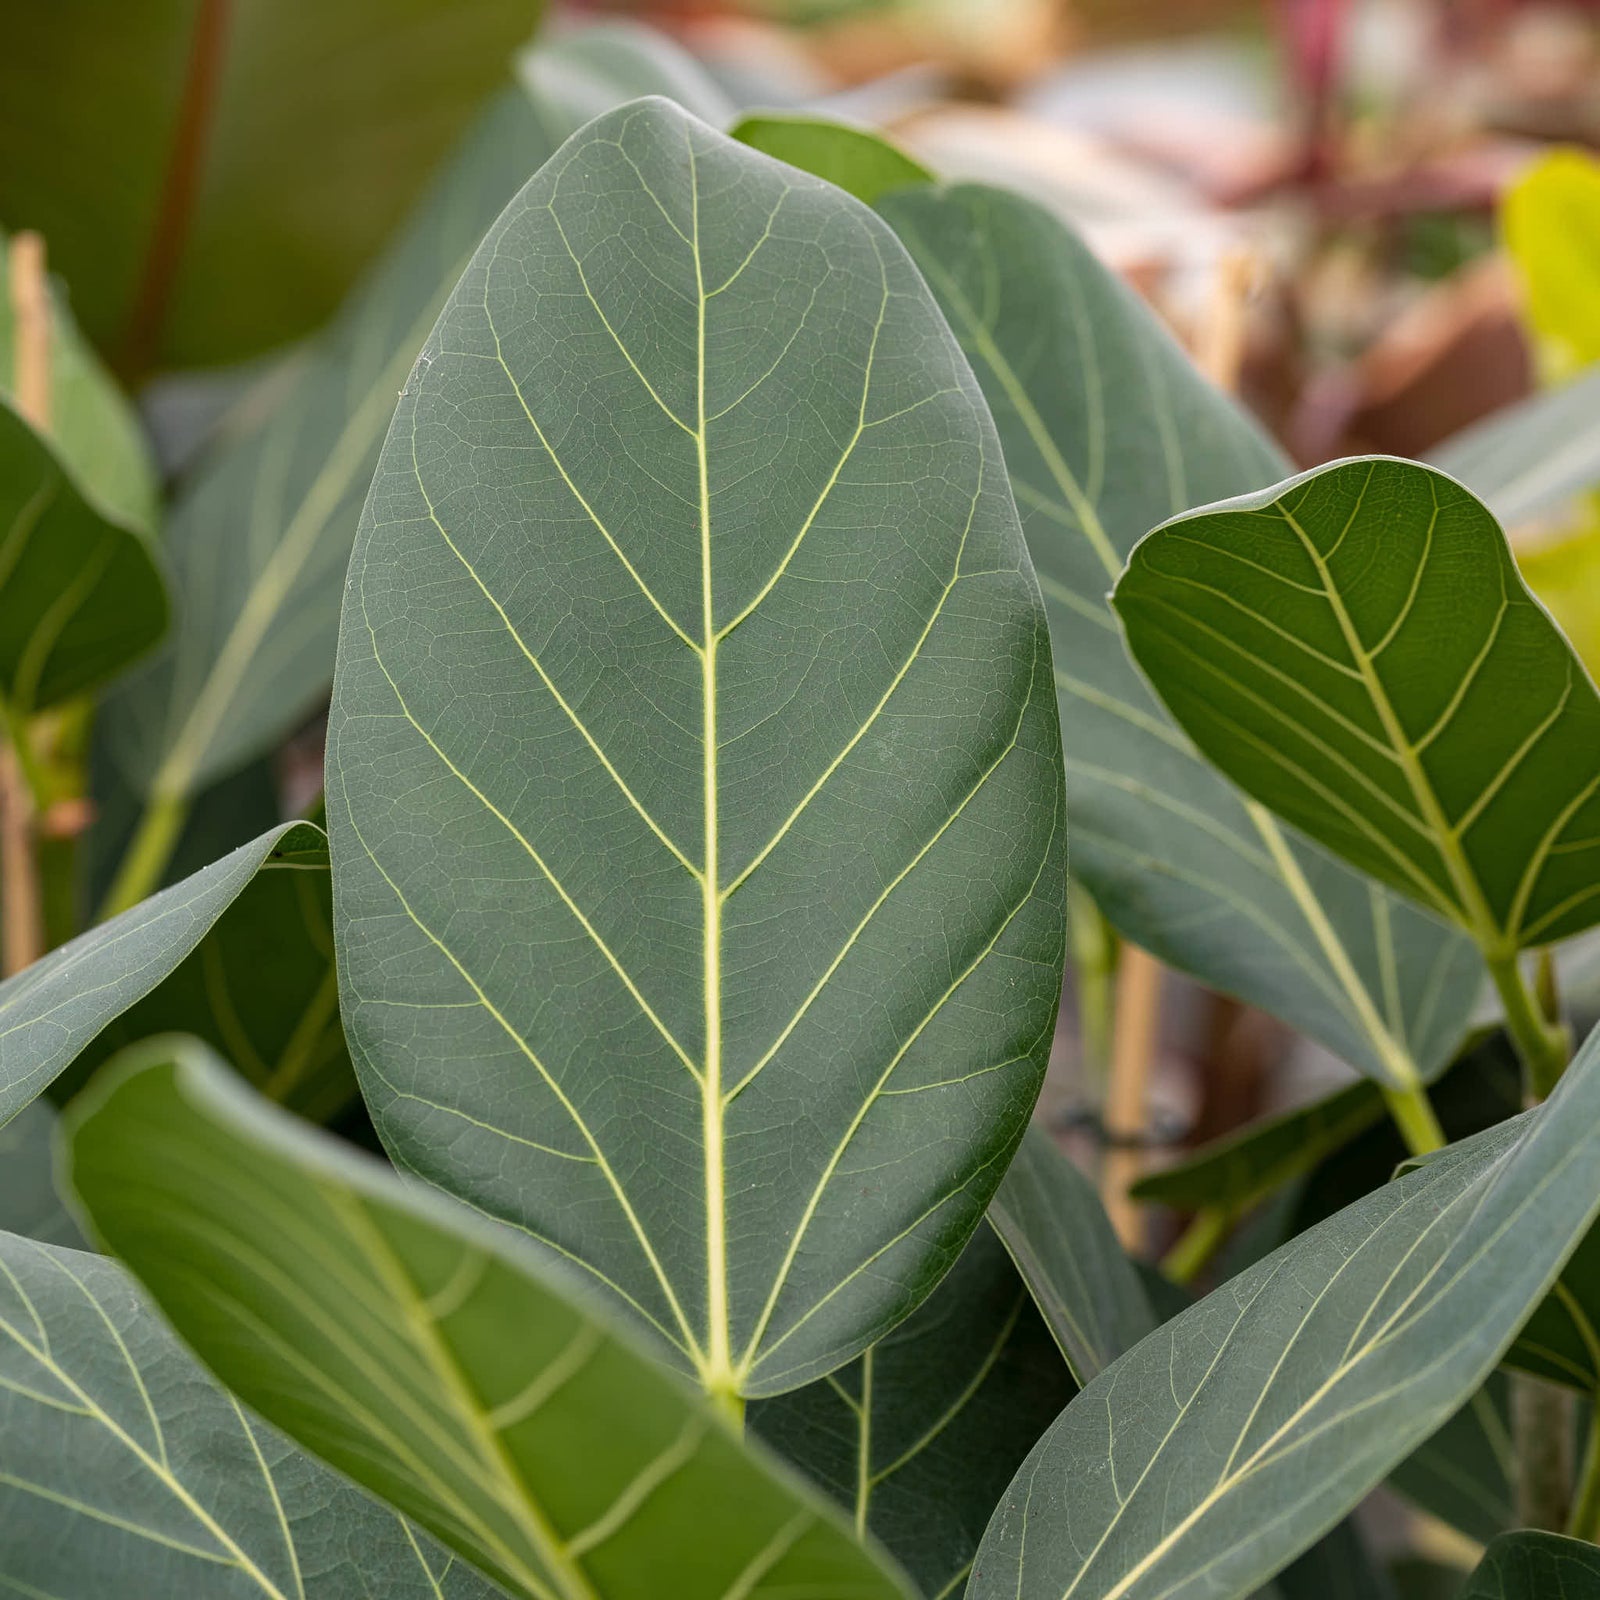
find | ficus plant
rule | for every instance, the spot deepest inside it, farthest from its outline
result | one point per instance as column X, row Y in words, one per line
column 775, row 561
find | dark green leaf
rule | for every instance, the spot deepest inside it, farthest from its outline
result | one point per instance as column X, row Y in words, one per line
column 29, row 1204
column 252, row 651
column 1337, row 1567
column 1562, row 1339
column 1356, row 648
column 1227, row 1441
column 693, row 686
column 54, row 1010
column 1464, row 1474
column 1058, row 1233
column 128, row 1472
column 919, row 1437
column 1237, row 1171
column 1107, row 429
column 323, row 122
column 427, row 1355
column 859, row 161
column 1536, row 1566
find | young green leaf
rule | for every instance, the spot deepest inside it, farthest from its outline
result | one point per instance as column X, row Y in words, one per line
column 693, row 684
column 128, row 1472
column 1108, row 429
column 433, row 1359
column 53, row 1011
column 1356, row 648
column 1240, row 1169
column 1226, row 1442
column 252, row 652
column 919, row 1437
column 1536, row 1566
column 1051, row 1220
column 857, row 160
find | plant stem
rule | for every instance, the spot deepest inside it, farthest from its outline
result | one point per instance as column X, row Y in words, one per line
column 1413, row 1116
column 1544, row 1047
column 1132, row 1051
column 1584, row 1523
column 1197, row 1244
column 148, row 853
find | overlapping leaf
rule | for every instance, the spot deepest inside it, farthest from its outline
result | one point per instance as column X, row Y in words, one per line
column 919, row 1437
column 1536, row 1566
column 128, row 1472
column 421, row 1352
column 1051, row 1220
column 1107, row 429
column 55, row 1011
column 693, row 687
column 1222, row 1445
column 260, row 535
column 29, row 1204
column 1356, row 648
column 857, row 160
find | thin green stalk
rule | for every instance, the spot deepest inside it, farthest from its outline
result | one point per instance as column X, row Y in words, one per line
column 1544, row 1047
column 1584, row 1522
column 147, row 855
column 1094, row 964
column 1197, row 1244
column 1413, row 1116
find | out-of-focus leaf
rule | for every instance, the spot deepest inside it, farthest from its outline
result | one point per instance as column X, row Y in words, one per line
column 1565, row 574
column 29, row 1204
column 1536, row 1566
column 427, row 1354
column 53, row 1011
column 251, row 654
column 1356, row 648
column 1108, row 429
column 1226, row 1442
column 919, row 1437
column 303, row 129
column 1561, row 1341
column 1551, row 220
column 1242, row 1168
column 859, row 161
column 1464, row 1474
column 128, row 1472
column 682, row 563
column 81, row 595
column 1057, row 1231
column 1337, row 1567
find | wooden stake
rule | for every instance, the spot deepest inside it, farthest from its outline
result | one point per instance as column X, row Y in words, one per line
column 21, row 908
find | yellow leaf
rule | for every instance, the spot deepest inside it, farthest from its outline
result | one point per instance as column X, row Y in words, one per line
column 1551, row 222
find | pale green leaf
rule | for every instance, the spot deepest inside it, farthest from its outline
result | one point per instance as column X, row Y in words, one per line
column 251, row 654
column 1536, row 1566
column 1356, row 648
column 432, row 1358
column 53, row 1011
column 322, row 123
column 919, row 1437
column 29, row 1203
column 694, row 780
column 1107, row 430
column 1057, row 1231
column 859, row 161
column 128, row 1472
column 1231, row 1438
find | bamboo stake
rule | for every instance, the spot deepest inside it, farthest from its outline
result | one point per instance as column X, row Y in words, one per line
column 21, row 907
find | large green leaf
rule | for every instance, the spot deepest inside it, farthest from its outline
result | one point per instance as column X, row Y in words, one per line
column 322, row 120
column 1356, row 648
column 128, row 1472
column 1227, row 1441
column 280, row 494
column 55, row 1010
column 919, row 1437
column 1536, row 1566
column 1108, row 429
column 1057, row 1231
column 693, row 778
column 432, row 1358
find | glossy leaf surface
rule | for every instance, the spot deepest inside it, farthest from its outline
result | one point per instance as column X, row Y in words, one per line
column 693, row 685
column 53, row 1011
column 1536, row 1566
column 1107, row 430
column 130, row 1473
column 1230, row 1439
column 1057, row 1231
column 423, row 1353
column 918, row 1438
column 1357, row 649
